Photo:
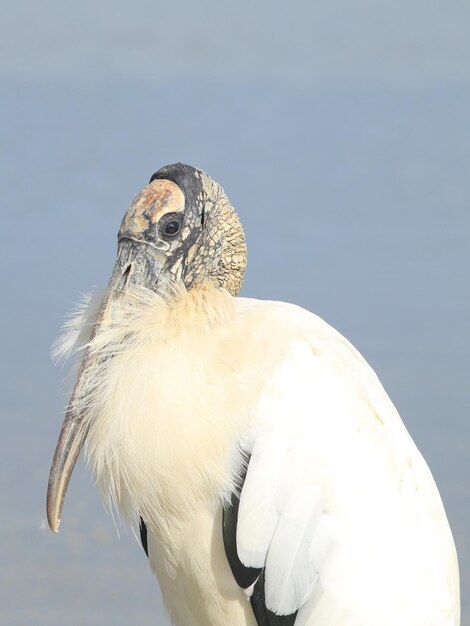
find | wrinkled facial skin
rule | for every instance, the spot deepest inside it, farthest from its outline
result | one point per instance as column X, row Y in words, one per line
column 141, row 220
column 150, row 218
column 164, row 204
column 157, row 199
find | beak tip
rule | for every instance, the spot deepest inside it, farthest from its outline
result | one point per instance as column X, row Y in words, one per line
column 53, row 524
column 53, row 511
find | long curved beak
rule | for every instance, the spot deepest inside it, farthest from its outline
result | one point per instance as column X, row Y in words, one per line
column 137, row 264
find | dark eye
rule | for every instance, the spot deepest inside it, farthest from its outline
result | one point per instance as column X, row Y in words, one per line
column 172, row 227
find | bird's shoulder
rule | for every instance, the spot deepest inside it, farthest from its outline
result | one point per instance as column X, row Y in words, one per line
column 305, row 353
column 292, row 323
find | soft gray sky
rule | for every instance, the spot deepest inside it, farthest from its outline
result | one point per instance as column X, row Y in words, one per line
column 391, row 42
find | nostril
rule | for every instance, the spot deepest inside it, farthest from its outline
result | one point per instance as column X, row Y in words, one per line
column 125, row 277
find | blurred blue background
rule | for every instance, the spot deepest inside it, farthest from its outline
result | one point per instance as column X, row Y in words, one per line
column 341, row 133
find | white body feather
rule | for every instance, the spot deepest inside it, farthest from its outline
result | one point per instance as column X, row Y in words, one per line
column 338, row 503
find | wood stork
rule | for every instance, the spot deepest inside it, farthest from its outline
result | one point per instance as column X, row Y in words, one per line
column 272, row 478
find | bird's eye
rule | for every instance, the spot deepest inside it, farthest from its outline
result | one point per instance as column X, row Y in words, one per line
column 171, row 227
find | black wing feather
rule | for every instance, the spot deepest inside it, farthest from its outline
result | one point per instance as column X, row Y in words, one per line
column 247, row 576
column 143, row 536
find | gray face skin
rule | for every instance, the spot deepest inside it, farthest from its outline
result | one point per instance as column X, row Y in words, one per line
column 181, row 228
column 156, row 236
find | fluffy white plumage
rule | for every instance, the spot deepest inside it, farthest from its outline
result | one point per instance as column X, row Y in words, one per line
column 338, row 503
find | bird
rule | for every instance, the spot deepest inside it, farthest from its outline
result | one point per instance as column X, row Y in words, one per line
column 270, row 477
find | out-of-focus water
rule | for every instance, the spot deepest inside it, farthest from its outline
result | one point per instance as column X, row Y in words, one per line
column 343, row 140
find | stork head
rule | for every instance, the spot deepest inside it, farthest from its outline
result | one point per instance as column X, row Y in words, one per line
column 180, row 229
